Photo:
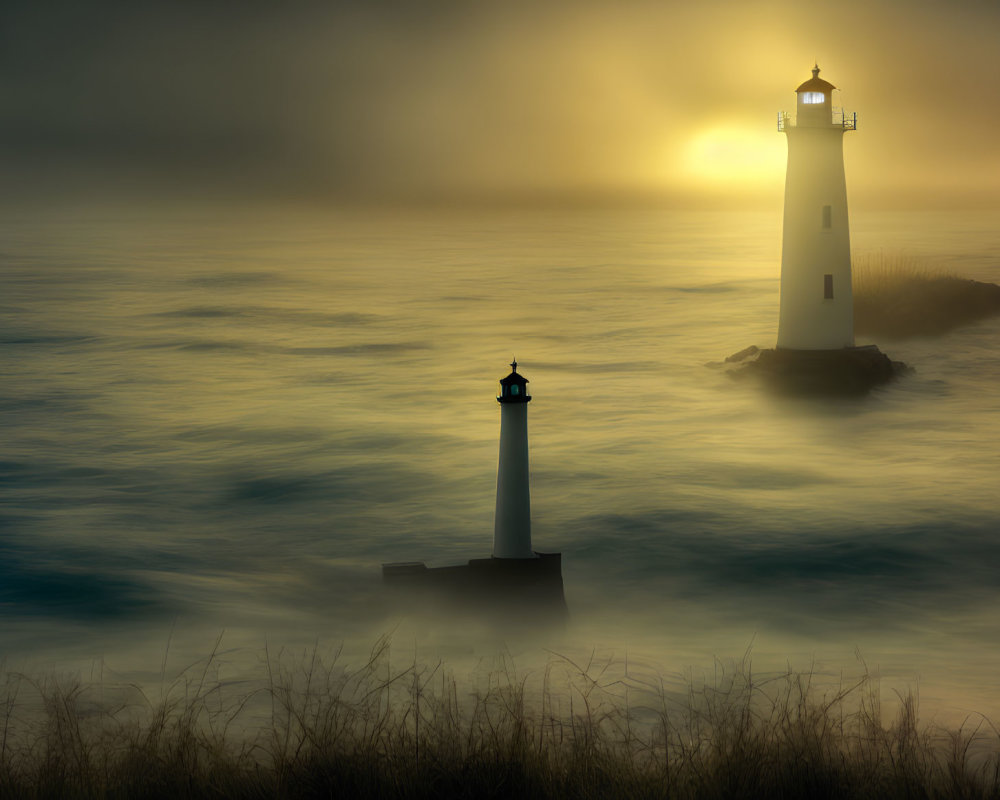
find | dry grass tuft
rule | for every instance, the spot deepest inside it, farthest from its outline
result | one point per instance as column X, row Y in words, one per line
column 316, row 727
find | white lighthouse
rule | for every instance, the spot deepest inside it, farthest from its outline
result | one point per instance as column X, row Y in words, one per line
column 512, row 524
column 816, row 305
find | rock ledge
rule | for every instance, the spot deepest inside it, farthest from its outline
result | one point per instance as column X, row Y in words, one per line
column 849, row 371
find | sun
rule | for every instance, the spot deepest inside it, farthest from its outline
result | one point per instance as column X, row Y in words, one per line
column 735, row 155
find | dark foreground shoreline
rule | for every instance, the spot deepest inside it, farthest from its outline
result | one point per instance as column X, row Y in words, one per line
column 315, row 729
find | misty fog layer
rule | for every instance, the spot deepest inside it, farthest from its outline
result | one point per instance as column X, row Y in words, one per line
column 229, row 422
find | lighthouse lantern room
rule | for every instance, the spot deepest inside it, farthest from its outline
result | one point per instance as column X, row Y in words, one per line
column 816, row 303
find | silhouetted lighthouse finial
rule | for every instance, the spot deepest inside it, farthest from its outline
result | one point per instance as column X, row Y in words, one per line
column 815, row 69
column 513, row 365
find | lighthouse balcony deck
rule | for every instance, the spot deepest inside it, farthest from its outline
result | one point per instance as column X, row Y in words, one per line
column 838, row 119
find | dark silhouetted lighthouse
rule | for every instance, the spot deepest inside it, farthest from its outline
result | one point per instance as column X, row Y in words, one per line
column 817, row 311
column 516, row 587
column 512, row 523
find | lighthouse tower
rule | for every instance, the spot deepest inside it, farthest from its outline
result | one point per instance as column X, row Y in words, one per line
column 516, row 586
column 512, row 524
column 816, row 305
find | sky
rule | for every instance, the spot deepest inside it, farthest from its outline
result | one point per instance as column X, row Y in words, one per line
column 418, row 101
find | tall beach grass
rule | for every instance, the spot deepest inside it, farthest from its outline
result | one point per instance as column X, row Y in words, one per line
column 315, row 726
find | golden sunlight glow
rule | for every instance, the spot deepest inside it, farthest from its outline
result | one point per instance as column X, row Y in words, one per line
column 734, row 154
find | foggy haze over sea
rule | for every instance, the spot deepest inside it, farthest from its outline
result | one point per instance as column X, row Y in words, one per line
column 228, row 422
column 262, row 266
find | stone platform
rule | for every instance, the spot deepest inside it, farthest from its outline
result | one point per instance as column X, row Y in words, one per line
column 500, row 589
column 848, row 371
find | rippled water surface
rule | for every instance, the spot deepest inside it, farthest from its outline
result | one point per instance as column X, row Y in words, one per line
column 229, row 421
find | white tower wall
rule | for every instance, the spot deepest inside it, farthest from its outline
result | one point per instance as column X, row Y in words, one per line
column 816, row 242
column 512, row 524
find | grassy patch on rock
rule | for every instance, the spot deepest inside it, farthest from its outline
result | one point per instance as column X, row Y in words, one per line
column 897, row 297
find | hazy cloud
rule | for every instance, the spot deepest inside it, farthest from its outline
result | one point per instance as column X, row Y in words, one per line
column 402, row 99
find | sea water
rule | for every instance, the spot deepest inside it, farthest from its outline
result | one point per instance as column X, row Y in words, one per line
column 225, row 422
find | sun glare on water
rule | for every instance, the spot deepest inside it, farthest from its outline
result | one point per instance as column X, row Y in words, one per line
column 734, row 155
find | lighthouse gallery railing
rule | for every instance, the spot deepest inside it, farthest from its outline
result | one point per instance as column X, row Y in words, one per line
column 848, row 121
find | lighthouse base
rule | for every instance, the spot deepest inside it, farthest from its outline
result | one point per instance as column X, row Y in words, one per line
column 847, row 371
column 495, row 590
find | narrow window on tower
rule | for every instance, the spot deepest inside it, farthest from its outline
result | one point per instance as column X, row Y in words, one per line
column 515, row 390
column 828, row 286
column 827, row 216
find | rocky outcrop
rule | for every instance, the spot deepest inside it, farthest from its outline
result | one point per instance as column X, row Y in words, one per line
column 849, row 371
